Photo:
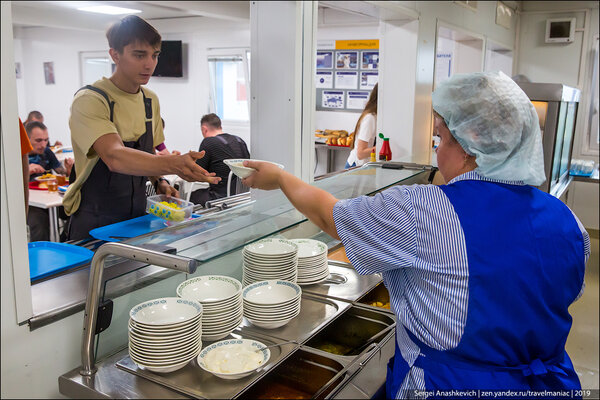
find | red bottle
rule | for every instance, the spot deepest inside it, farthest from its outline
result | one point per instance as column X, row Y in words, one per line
column 385, row 154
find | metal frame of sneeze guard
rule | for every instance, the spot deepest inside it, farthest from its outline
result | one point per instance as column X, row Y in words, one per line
column 178, row 263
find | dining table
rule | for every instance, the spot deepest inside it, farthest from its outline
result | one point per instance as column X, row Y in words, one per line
column 48, row 201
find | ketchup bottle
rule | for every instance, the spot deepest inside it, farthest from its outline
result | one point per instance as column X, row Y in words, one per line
column 385, row 154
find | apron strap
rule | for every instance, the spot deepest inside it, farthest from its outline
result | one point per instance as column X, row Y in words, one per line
column 430, row 356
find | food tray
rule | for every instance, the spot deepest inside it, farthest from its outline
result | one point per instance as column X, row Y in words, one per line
column 35, row 185
column 129, row 228
column 47, row 258
column 337, row 145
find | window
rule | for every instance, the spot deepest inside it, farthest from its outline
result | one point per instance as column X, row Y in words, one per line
column 95, row 65
column 229, row 86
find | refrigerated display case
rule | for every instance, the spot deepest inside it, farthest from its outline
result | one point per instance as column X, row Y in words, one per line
column 556, row 105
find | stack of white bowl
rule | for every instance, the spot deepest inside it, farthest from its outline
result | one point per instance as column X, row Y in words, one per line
column 270, row 259
column 165, row 334
column 221, row 299
column 312, row 261
column 271, row 304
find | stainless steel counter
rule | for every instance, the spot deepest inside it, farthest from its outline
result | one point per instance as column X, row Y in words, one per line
column 361, row 376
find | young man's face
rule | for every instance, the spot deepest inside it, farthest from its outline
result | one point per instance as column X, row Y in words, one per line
column 39, row 140
column 137, row 61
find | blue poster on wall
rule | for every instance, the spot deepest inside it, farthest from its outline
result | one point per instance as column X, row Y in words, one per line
column 370, row 60
column 324, row 59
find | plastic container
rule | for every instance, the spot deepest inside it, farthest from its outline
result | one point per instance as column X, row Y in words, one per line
column 171, row 209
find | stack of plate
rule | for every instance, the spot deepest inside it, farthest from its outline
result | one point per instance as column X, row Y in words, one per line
column 271, row 304
column 270, row 259
column 165, row 334
column 221, row 299
column 312, row 261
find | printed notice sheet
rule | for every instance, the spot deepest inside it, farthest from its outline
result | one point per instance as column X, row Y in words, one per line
column 332, row 99
column 324, row 80
column 443, row 67
column 346, row 79
column 357, row 100
column 368, row 79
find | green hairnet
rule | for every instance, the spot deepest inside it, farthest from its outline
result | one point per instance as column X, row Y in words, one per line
column 493, row 120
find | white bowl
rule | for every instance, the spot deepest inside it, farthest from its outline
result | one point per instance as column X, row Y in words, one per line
column 237, row 166
column 164, row 369
column 209, row 289
column 162, row 361
column 269, row 325
column 165, row 353
column 234, row 358
column 309, row 247
column 166, row 311
column 272, row 247
column 271, row 292
column 164, row 347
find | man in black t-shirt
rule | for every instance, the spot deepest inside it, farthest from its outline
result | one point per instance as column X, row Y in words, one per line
column 219, row 146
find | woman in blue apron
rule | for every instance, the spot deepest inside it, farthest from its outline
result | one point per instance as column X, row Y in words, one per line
column 481, row 271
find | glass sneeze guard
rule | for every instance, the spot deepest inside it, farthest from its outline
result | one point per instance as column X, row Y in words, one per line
column 212, row 236
column 217, row 240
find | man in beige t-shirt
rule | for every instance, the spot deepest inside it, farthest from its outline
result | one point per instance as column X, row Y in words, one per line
column 115, row 125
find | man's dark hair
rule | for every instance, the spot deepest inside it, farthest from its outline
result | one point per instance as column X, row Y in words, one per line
column 34, row 114
column 211, row 120
column 34, row 124
column 131, row 29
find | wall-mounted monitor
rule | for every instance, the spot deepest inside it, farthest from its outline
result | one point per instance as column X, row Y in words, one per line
column 560, row 30
column 170, row 60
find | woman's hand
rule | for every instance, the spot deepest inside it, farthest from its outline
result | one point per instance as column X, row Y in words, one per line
column 266, row 177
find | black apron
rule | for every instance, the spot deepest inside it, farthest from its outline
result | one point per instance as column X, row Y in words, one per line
column 109, row 197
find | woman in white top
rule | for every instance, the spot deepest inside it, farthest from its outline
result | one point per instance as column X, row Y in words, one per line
column 365, row 132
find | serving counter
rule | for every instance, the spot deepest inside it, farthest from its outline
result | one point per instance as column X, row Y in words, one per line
column 342, row 304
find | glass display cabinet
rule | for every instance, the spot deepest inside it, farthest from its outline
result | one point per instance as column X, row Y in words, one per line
column 556, row 106
column 216, row 242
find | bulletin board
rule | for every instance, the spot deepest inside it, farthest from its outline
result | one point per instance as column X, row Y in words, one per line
column 346, row 71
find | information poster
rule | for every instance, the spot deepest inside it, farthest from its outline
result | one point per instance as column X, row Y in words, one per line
column 443, row 67
column 368, row 79
column 324, row 59
column 346, row 73
column 370, row 60
column 356, row 100
column 332, row 99
column 324, row 80
column 346, row 79
column 346, row 60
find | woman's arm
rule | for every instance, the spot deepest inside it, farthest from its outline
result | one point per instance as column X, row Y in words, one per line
column 314, row 203
column 362, row 149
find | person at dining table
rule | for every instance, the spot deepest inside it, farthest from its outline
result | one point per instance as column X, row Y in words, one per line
column 481, row 271
column 39, row 117
column 42, row 158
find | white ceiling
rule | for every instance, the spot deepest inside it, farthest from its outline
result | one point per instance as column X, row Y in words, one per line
column 64, row 14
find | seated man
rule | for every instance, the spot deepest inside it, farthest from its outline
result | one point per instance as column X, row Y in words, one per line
column 42, row 159
column 219, row 146
column 37, row 116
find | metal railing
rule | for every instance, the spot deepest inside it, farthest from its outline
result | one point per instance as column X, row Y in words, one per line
column 177, row 263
